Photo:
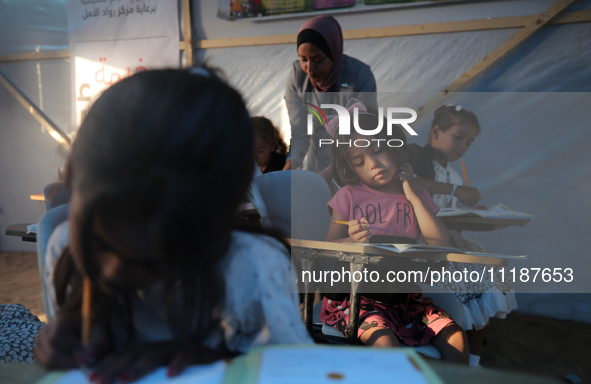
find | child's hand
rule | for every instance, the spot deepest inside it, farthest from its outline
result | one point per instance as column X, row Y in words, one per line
column 139, row 360
column 405, row 173
column 467, row 195
column 58, row 344
column 359, row 230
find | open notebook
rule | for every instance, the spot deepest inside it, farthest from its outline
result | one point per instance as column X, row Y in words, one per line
column 330, row 364
column 422, row 248
column 295, row 365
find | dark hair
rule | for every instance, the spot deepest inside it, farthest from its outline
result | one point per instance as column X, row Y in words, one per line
column 265, row 129
column 447, row 116
column 150, row 153
column 342, row 172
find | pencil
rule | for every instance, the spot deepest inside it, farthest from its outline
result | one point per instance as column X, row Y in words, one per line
column 340, row 222
column 465, row 174
column 86, row 310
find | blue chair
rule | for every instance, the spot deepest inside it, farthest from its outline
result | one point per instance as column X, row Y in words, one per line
column 45, row 227
column 56, row 194
column 293, row 203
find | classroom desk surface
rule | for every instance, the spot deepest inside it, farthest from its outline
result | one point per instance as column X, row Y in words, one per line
column 15, row 373
column 370, row 254
column 20, row 230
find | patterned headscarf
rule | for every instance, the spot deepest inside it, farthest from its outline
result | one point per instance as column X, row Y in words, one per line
column 328, row 28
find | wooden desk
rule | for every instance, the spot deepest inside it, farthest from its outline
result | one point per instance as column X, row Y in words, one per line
column 470, row 223
column 360, row 255
column 20, row 230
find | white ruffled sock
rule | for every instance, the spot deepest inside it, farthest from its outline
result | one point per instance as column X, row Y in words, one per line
column 475, row 361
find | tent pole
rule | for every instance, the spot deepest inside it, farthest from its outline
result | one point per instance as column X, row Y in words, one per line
column 53, row 129
column 402, row 30
column 187, row 32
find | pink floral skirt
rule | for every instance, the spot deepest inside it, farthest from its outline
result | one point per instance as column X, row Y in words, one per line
column 415, row 321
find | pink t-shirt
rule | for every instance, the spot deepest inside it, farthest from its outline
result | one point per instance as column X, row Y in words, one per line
column 387, row 214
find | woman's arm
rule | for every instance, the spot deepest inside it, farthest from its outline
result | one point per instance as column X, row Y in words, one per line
column 366, row 81
column 300, row 141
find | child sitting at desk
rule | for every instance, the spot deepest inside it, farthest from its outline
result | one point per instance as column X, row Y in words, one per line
column 453, row 130
column 379, row 198
column 270, row 150
column 157, row 172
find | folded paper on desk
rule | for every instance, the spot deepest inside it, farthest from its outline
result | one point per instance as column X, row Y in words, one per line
column 498, row 211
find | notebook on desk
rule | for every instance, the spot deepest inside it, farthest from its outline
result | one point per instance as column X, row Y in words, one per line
column 301, row 364
column 423, row 248
column 330, row 364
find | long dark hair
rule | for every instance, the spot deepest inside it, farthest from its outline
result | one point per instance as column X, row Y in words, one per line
column 265, row 129
column 170, row 150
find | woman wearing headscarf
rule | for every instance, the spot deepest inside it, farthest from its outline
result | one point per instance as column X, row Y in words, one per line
column 321, row 75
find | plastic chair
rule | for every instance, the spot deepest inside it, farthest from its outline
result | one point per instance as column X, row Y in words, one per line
column 45, row 227
column 293, row 203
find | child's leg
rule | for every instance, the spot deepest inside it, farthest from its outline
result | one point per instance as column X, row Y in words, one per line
column 476, row 340
column 379, row 337
column 452, row 343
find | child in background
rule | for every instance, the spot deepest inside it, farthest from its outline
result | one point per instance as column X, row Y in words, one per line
column 157, row 172
column 269, row 148
column 453, row 130
column 374, row 176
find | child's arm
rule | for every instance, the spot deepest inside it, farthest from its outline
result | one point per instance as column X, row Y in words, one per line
column 431, row 227
column 356, row 232
column 467, row 195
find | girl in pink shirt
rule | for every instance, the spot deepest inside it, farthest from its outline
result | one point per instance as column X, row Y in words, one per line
column 380, row 201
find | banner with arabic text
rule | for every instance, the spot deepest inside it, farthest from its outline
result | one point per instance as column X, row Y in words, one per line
column 113, row 39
